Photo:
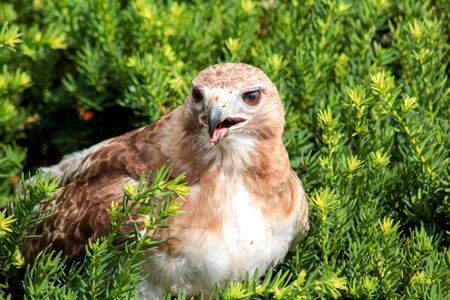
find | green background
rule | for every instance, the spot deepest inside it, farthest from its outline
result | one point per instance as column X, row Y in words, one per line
column 366, row 91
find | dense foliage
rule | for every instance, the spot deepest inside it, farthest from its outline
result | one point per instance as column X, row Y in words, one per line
column 366, row 91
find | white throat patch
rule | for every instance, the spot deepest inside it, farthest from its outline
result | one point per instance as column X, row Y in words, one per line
column 232, row 153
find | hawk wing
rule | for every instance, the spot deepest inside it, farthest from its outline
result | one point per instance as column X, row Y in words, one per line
column 91, row 180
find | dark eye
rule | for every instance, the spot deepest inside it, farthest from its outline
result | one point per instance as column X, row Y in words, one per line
column 197, row 94
column 252, row 97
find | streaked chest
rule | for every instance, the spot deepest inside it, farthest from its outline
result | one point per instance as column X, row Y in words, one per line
column 245, row 240
column 225, row 232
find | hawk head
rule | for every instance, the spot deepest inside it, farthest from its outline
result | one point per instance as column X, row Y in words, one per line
column 235, row 100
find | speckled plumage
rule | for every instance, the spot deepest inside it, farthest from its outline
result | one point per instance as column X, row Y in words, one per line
column 245, row 209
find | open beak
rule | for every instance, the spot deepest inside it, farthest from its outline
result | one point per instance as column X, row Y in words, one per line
column 218, row 124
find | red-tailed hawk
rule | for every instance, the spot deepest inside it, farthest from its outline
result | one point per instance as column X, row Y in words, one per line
column 245, row 208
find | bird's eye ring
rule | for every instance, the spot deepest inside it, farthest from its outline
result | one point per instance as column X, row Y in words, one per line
column 252, row 97
column 197, row 95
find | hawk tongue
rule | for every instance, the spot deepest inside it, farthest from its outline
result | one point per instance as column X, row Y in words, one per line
column 217, row 135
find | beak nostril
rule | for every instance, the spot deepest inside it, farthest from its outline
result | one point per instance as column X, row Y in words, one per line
column 221, row 102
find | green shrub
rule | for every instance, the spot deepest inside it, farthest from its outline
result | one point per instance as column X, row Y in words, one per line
column 366, row 91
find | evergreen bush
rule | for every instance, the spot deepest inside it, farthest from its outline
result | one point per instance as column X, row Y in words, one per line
column 366, row 91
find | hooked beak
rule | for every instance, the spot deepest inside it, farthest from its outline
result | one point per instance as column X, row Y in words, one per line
column 214, row 117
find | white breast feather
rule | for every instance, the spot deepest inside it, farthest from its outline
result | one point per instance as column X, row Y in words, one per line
column 248, row 241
